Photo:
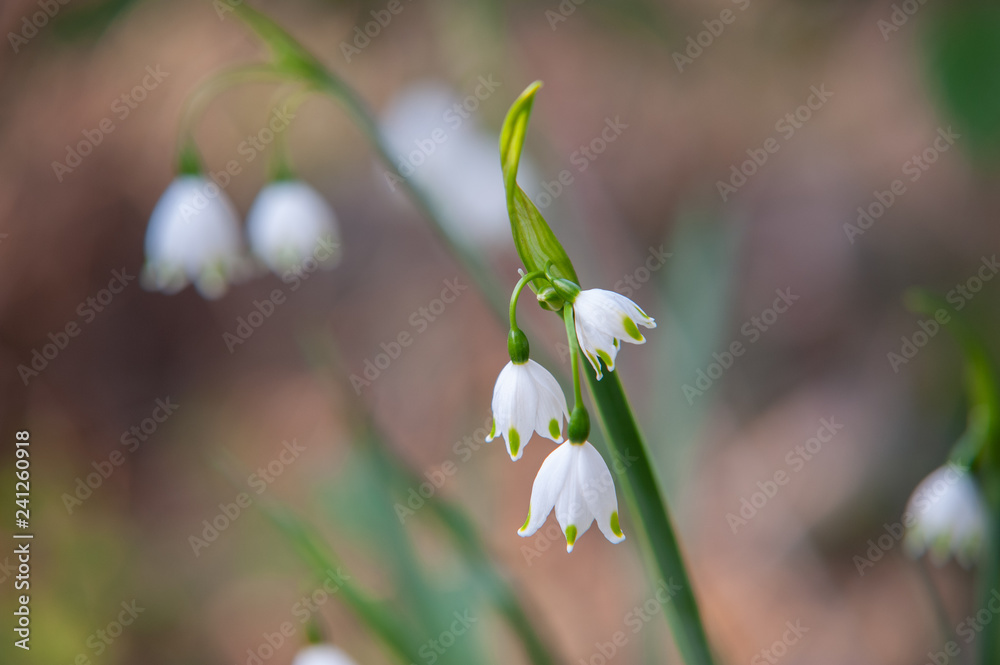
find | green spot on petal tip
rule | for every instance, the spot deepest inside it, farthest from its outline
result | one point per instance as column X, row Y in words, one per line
column 615, row 527
column 570, row 535
column 554, row 429
column 515, row 442
column 632, row 329
column 526, row 520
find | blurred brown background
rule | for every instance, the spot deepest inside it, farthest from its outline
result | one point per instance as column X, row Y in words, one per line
column 655, row 184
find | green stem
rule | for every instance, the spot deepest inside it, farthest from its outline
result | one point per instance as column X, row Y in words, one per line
column 521, row 283
column 574, row 354
column 647, row 503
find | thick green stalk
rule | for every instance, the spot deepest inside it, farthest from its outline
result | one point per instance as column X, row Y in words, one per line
column 648, row 505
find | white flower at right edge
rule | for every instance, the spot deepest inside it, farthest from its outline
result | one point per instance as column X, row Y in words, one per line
column 526, row 399
column 288, row 223
column 603, row 320
column 949, row 517
column 575, row 480
column 193, row 236
column 322, row 654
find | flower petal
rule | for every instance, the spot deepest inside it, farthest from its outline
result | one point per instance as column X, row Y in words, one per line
column 598, row 489
column 549, row 483
column 572, row 511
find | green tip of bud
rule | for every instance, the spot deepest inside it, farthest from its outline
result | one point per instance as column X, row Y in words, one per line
column 579, row 424
column 517, row 347
column 549, row 299
column 566, row 289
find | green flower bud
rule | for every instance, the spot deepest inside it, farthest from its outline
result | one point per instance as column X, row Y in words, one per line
column 566, row 289
column 517, row 347
column 579, row 424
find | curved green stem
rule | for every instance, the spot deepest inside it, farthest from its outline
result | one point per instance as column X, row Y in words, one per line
column 194, row 107
column 292, row 59
column 521, row 283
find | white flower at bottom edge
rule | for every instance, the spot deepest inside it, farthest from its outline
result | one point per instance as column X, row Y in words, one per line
column 949, row 517
column 575, row 480
column 526, row 399
column 193, row 236
column 288, row 223
column 603, row 320
column 322, row 654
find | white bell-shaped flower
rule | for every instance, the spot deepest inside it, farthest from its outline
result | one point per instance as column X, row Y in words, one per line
column 193, row 236
column 575, row 480
column 290, row 222
column 322, row 654
column 603, row 320
column 526, row 399
column 947, row 516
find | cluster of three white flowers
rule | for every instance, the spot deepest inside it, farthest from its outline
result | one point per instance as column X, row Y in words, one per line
column 574, row 478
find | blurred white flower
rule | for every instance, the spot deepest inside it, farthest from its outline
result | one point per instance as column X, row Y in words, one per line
column 576, row 481
column 289, row 222
column 526, row 399
column 436, row 142
column 322, row 654
column 603, row 320
column 193, row 236
column 948, row 517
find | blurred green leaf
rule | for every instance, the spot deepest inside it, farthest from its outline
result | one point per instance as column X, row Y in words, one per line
column 963, row 58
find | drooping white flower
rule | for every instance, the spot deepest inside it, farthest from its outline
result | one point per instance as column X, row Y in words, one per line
column 322, row 654
column 946, row 515
column 290, row 222
column 604, row 319
column 526, row 399
column 436, row 141
column 193, row 236
column 576, row 481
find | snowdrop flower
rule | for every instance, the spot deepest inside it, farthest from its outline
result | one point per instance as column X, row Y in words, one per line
column 946, row 515
column 576, row 481
column 322, row 654
column 193, row 236
column 604, row 319
column 526, row 399
column 289, row 222
column 435, row 141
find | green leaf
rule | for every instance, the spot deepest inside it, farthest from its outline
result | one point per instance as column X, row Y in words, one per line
column 963, row 54
column 646, row 500
column 533, row 239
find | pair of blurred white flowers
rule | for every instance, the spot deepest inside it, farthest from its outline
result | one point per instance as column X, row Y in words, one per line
column 574, row 479
column 194, row 234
